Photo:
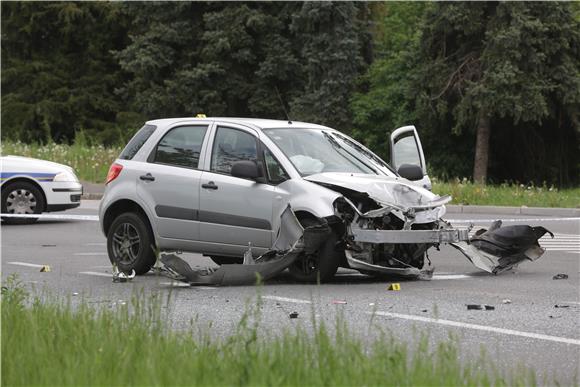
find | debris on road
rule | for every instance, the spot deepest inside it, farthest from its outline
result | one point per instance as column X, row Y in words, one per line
column 75, row 294
column 480, row 307
column 119, row 276
column 561, row 306
column 339, row 302
column 560, row 276
column 45, row 269
column 394, row 287
column 48, row 245
column 506, row 301
column 293, row 315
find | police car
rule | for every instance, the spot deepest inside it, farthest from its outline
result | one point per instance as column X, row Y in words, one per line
column 32, row 186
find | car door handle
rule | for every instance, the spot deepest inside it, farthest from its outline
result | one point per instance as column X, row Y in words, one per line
column 147, row 177
column 210, row 185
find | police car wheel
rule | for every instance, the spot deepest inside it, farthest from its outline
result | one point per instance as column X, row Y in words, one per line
column 21, row 198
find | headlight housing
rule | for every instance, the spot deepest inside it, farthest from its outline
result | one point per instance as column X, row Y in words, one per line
column 65, row 176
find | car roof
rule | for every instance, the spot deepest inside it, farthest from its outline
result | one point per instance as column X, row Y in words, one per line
column 259, row 123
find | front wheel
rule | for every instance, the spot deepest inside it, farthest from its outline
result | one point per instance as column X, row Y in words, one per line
column 24, row 198
column 320, row 265
column 130, row 244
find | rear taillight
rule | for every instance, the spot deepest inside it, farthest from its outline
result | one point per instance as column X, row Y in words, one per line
column 114, row 171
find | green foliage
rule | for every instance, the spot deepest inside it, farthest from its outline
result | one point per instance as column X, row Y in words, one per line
column 445, row 64
column 48, row 343
column 57, row 73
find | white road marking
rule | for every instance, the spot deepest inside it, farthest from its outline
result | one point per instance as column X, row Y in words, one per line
column 449, row 276
column 97, row 273
column 286, row 299
column 176, row 284
column 484, row 328
column 100, row 253
column 93, row 218
column 571, row 302
column 510, row 220
column 96, row 244
column 26, row 264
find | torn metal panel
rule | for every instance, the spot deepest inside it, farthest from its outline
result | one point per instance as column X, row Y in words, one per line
column 502, row 248
column 363, row 266
column 291, row 242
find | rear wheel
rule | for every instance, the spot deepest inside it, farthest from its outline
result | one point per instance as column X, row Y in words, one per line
column 22, row 197
column 320, row 265
column 130, row 244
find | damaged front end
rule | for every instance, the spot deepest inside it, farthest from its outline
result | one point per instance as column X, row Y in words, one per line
column 393, row 237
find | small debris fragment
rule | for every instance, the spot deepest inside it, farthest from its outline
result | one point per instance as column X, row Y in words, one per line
column 480, row 307
column 339, row 302
column 372, row 304
column 554, row 316
column 561, row 306
column 293, row 315
column 506, row 301
column 45, row 269
column 48, row 245
column 560, row 276
column 424, row 310
column 395, row 287
column 119, row 276
column 75, row 294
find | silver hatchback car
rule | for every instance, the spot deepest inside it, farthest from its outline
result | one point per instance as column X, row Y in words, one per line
column 216, row 185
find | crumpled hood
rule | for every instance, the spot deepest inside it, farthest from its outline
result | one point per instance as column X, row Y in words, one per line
column 393, row 191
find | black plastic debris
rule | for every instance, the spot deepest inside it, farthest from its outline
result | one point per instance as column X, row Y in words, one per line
column 480, row 307
column 560, row 276
column 561, row 306
column 293, row 315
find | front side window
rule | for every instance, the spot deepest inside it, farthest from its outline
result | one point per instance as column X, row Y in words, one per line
column 181, row 146
column 230, row 146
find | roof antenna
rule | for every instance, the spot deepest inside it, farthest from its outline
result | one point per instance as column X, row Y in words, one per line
column 282, row 104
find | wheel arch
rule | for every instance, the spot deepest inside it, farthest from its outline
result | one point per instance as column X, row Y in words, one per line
column 121, row 206
column 26, row 180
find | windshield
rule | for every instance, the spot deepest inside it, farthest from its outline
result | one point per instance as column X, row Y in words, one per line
column 314, row 151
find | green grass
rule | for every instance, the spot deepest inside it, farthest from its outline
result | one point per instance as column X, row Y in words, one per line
column 468, row 193
column 91, row 163
column 56, row 344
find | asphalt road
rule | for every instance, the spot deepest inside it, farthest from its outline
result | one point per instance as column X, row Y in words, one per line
column 528, row 331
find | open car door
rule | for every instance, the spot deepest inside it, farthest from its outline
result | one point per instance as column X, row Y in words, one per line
column 407, row 156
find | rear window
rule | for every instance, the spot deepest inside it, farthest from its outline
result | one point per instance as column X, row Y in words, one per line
column 137, row 142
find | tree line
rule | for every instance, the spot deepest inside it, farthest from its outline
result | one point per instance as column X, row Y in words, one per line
column 493, row 88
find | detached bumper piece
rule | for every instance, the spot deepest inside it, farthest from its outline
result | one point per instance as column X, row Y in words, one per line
column 408, row 236
column 290, row 243
column 503, row 248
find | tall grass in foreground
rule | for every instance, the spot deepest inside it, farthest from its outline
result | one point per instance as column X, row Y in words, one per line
column 52, row 344
column 90, row 162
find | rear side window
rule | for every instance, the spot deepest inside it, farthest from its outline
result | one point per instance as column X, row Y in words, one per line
column 181, row 146
column 137, row 142
column 230, row 146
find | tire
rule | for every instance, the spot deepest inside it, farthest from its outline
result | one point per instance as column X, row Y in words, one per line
column 322, row 264
column 130, row 244
column 222, row 260
column 22, row 197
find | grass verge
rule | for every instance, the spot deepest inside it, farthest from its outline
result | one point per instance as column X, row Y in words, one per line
column 54, row 344
column 90, row 162
column 468, row 193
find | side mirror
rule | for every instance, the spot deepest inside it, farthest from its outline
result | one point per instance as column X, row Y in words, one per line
column 410, row 172
column 246, row 170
